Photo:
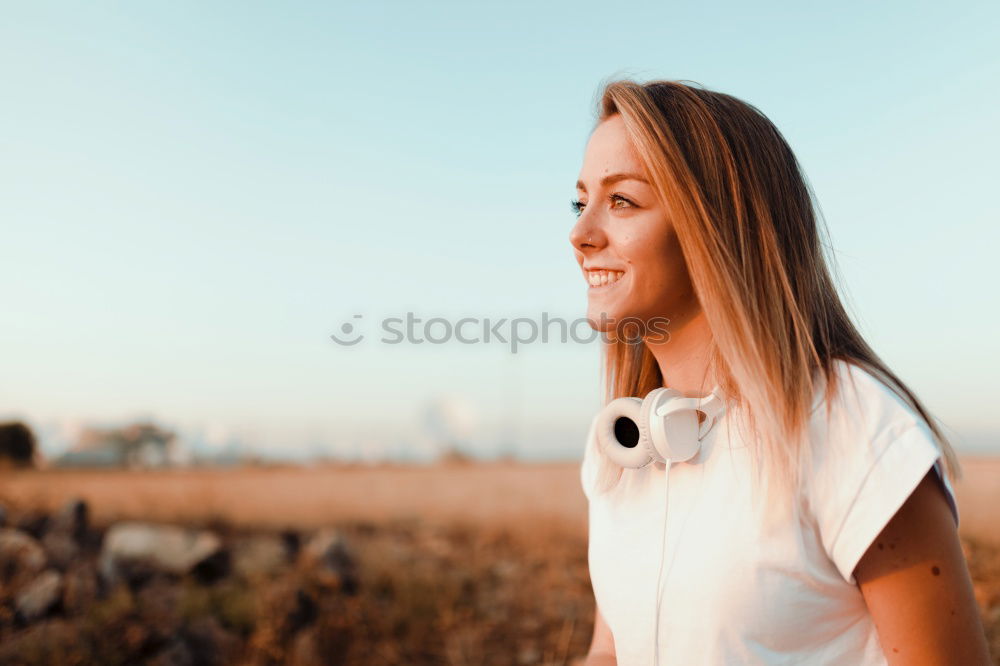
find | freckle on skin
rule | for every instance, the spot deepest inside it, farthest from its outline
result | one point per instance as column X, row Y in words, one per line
column 880, row 546
column 936, row 571
column 895, row 649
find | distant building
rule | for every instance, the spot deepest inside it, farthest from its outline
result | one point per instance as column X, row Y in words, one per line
column 134, row 446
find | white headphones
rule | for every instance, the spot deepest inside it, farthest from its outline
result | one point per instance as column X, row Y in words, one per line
column 663, row 427
column 660, row 428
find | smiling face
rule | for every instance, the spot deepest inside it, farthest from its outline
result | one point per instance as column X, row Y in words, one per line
column 623, row 240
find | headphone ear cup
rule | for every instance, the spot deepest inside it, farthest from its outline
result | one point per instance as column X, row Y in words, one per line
column 656, row 449
column 675, row 430
column 619, row 433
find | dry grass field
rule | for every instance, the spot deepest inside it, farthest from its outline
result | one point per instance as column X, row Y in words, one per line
column 511, row 495
column 465, row 563
column 495, row 494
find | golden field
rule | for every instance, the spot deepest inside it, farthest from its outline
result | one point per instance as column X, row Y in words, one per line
column 463, row 563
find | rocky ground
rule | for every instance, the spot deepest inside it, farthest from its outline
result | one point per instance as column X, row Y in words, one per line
column 132, row 592
column 361, row 593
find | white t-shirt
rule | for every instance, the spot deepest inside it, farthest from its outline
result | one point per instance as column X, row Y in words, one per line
column 732, row 592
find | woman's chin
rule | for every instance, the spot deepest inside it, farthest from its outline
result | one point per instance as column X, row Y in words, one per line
column 603, row 316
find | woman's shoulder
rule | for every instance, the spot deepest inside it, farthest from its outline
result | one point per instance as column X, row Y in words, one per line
column 857, row 422
column 868, row 449
column 855, row 402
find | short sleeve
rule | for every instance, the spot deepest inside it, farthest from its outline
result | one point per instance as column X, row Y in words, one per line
column 874, row 458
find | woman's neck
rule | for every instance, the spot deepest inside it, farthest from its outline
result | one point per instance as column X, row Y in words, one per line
column 685, row 357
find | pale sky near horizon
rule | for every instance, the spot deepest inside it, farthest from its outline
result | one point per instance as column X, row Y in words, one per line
column 195, row 196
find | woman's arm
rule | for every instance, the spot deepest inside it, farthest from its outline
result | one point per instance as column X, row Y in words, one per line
column 917, row 587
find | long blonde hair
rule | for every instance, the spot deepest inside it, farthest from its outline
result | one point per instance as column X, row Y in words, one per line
column 745, row 219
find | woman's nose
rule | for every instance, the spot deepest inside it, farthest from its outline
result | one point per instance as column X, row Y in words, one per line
column 585, row 235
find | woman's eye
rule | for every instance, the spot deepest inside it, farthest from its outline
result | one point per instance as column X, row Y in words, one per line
column 617, row 197
column 577, row 206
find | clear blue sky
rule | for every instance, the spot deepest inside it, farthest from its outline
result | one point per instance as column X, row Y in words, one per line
column 195, row 195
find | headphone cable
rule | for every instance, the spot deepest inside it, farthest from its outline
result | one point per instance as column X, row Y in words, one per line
column 663, row 552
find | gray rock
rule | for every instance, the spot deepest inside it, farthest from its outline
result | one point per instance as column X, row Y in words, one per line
column 329, row 556
column 38, row 596
column 61, row 548
column 132, row 548
column 72, row 519
column 21, row 557
column 33, row 523
column 259, row 556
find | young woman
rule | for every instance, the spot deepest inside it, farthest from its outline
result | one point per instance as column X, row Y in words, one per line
column 816, row 523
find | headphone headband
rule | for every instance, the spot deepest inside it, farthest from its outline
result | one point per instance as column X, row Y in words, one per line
column 711, row 404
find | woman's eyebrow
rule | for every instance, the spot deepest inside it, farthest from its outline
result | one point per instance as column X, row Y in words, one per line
column 614, row 178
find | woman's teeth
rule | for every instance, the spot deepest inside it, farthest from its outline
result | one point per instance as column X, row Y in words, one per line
column 601, row 278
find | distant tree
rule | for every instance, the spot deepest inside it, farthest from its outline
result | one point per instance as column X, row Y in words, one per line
column 141, row 444
column 18, row 447
column 451, row 455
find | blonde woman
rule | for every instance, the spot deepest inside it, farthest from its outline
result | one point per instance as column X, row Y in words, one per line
column 816, row 523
